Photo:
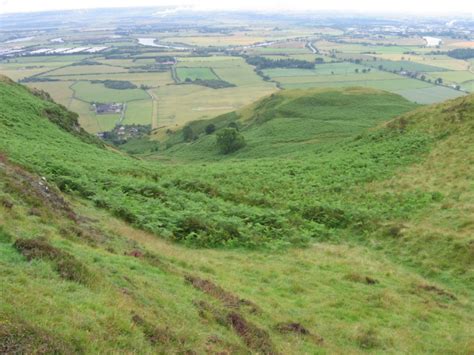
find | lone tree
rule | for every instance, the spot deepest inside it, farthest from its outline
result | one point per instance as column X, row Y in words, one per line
column 188, row 134
column 210, row 128
column 230, row 140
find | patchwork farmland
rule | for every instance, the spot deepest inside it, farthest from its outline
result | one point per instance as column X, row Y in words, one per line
column 170, row 78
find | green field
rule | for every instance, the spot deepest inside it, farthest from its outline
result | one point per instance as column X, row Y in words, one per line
column 345, row 76
column 86, row 91
column 321, row 69
column 195, row 73
column 432, row 60
column 430, row 94
column 406, row 65
column 461, row 77
column 139, row 112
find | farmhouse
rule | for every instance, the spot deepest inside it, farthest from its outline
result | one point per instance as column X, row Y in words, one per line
column 104, row 109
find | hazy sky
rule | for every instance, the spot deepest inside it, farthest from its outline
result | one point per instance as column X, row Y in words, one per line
column 398, row 6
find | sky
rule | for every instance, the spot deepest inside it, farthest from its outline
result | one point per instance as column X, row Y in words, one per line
column 362, row 6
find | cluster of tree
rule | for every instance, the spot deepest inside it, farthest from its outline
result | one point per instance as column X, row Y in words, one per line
column 164, row 59
column 265, row 63
column 36, row 79
column 212, row 83
column 365, row 70
column 210, row 128
column 113, row 55
column 158, row 67
column 188, row 134
column 462, row 53
column 229, row 140
column 121, row 134
column 86, row 62
column 115, row 84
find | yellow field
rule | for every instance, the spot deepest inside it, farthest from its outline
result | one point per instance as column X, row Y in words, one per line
column 59, row 91
column 87, row 69
column 238, row 39
column 150, row 79
column 459, row 44
column 139, row 112
column 16, row 74
column 118, row 62
column 290, row 44
column 411, row 41
column 179, row 104
column 328, row 31
column 213, row 61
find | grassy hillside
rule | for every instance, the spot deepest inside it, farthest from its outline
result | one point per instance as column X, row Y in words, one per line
column 292, row 121
column 363, row 243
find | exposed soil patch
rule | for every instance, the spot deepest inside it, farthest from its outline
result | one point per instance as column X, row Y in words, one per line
column 154, row 334
column 6, row 203
column 36, row 191
column 210, row 312
column 255, row 338
column 292, row 328
column 85, row 232
column 17, row 337
column 438, row 291
column 362, row 279
column 135, row 253
column 228, row 299
column 297, row 328
column 66, row 265
column 216, row 345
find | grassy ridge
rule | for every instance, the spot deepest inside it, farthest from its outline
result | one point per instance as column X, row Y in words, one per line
column 293, row 121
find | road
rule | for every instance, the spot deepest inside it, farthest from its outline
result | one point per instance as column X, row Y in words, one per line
column 154, row 111
column 310, row 46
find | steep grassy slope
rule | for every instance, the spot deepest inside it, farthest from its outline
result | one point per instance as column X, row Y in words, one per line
column 89, row 283
column 185, row 204
column 385, row 218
